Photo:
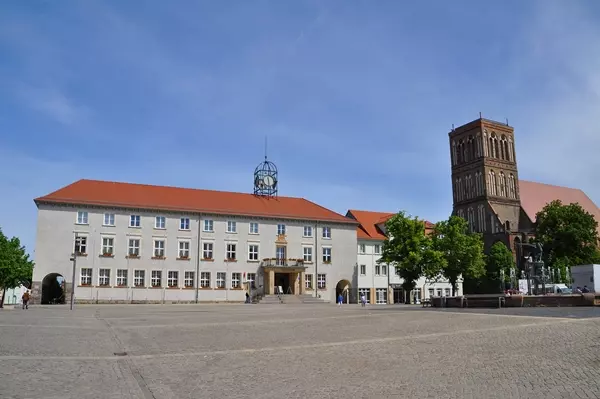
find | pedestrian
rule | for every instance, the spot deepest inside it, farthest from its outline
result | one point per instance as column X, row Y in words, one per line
column 25, row 299
column 247, row 298
column 340, row 299
column 363, row 300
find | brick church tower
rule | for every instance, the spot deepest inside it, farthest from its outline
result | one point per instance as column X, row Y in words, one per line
column 485, row 182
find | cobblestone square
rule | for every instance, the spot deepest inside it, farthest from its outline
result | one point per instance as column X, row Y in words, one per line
column 297, row 351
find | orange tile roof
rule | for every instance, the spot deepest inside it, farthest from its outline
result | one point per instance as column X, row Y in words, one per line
column 369, row 220
column 142, row 196
column 534, row 196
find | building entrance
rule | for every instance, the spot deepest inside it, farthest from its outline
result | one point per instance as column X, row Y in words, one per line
column 282, row 280
column 399, row 296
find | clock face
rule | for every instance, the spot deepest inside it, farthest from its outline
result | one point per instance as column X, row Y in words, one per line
column 269, row 181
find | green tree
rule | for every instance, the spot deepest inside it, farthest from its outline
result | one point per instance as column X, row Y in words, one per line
column 499, row 260
column 462, row 251
column 567, row 232
column 409, row 250
column 15, row 266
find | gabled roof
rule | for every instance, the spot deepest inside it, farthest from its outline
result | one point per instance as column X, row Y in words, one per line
column 534, row 196
column 142, row 196
column 369, row 221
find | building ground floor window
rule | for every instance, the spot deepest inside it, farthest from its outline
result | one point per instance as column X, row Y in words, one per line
column 381, row 296
column 366, row 292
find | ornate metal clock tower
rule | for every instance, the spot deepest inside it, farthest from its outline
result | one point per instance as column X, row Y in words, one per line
column 265, row 178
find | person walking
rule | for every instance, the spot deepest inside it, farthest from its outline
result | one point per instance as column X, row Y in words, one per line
column 363, row 300
column 25, row 299
column 340, row 299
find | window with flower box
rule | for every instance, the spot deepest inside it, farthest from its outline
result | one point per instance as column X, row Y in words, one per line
column 86, row 276
column 308, row 281
column 104, row 277
column 231, row 251
column 121, row 278
column 156, row 279
column 321, row 281
column 307, row 254
column 139, row 278
column 326, row 255
column 236, row 280
column 159, row 248
column 133, row 250
column 253, row 252
column 80, row 245
column 221, row 279
column 207, row 250
column 108, row 246
column 205, row 280
column 184, row 249
column 188, row 280
column 173, row 279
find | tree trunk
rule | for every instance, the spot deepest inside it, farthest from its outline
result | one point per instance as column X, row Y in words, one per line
column 2, row 301
column 453, row 284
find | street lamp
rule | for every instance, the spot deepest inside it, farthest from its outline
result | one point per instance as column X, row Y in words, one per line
column 74, row 260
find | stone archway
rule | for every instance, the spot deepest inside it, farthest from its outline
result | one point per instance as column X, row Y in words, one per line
column 343, row 287
column 53, row 289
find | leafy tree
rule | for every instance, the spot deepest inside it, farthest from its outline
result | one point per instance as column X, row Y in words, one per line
column 462, row 251
column 409, row 250
column 499, row 259
column 567, row 232
column 15, row 266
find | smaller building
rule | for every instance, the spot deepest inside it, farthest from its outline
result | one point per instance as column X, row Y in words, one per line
column 379, row 282
column 13, row 296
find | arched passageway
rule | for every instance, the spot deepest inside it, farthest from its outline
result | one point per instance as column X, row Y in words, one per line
column 53, row 289
column 343, row 287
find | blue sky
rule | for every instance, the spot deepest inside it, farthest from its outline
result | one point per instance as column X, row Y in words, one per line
column 356, row 97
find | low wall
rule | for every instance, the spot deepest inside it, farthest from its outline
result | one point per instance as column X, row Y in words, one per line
column 512, row 301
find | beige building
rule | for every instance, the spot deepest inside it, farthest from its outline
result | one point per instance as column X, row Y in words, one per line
column 143, row 243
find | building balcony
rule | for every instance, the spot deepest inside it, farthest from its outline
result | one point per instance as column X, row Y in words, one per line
column 280, row 262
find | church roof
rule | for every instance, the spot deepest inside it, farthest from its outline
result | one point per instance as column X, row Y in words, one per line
column 143, row 196
column 534, row 196
column 368, row 229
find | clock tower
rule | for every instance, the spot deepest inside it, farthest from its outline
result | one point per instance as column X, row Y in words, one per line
column 265, row 179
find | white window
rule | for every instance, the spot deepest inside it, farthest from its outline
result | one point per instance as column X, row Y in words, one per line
column 361, row 249
column 221, row 279
column 447, row 291
column 380, row 296
column 321, row 281
column 307, row 254
column 307, row 231
column 208, row 226
column 121, row 278
column 236, row 280
column 251, row 278
column 135, row 221
column 109, row 219
column 384, row 270
column 188, row 281
column 80, row 245
column 159, row 248
column 377, row 270
column 139, row 278
column 326, row 254
column 184, row 249
column 326, row 232
column 104, row 277
column 366, row 292
column 231, row 227
column 86, row 276
column 431, row 293
column 231, row 252
column 172, row 279
column 184, row 224
column 156, row 278
column 253, row 228
column 82, row 217
column 205, row 280
column 207, row 250
column 160, row 222
column 134, row 247
column 363, row 270
column 377, row 248
column 253, row 252
column 108, row 246
column 308, row 281
column 439, row 292
column 280, row 229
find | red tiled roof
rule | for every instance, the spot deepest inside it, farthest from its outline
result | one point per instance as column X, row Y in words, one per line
column 369, row 220
column 534, row 196
column 142, row 196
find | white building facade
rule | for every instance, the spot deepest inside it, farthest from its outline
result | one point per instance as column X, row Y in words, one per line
column 132, row 255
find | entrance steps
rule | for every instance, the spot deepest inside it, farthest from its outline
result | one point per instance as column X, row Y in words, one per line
column 290, row 299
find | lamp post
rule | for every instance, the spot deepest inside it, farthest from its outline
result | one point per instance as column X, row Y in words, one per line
column 74, row 260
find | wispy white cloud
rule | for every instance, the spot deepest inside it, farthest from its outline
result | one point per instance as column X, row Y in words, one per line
column 53, row 103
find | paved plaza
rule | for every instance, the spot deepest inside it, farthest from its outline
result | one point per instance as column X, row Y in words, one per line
column 298, row 351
